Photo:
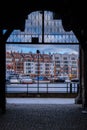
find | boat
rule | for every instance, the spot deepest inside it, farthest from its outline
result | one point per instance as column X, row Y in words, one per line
column 41, row 79
column 14, row 79
column 63, row 78
column 60, row 79
column 24, row 79
column 75, row 80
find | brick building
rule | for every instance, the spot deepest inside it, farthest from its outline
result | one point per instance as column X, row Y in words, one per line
column 43, row 64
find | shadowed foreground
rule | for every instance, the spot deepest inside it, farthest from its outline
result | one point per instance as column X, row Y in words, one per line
column 43, row 117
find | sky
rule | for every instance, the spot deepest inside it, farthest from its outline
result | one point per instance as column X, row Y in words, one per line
column 49, row 48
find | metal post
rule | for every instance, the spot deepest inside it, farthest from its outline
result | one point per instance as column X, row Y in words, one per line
column 70, row 87
column 74, row 87
column 38, row 70
column 77, row 87
column 47, row 87
column 67, row 87
column 42, row 12
column 42, row 26
column 27, row 89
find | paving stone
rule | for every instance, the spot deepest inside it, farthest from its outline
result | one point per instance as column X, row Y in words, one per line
column 43, row 117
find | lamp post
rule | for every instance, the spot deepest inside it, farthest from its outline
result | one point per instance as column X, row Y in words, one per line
column 42, row 12
column 38, row 52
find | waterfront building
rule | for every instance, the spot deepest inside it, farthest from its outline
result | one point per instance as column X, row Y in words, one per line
column 49, row 64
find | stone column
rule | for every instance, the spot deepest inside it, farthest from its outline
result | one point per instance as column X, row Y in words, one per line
column 2, row 74
column 78, row 99
column 84, row 75
column 3, row 38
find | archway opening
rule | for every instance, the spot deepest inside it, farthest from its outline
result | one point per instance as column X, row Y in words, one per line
column 42, row 30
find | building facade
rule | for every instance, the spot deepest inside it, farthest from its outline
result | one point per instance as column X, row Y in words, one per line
column 50, row 65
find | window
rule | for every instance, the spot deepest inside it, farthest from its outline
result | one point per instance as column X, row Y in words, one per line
column 53, row 30
column 64, row 58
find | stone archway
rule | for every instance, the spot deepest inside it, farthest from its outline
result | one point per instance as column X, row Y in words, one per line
column 74, row 22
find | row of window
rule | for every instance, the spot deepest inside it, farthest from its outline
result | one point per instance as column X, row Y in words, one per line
column 47, row 38
column 53, row 30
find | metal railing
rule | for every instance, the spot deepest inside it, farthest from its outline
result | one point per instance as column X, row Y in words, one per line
column 43, row 88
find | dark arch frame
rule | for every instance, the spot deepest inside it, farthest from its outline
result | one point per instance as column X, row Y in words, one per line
column 73, row 19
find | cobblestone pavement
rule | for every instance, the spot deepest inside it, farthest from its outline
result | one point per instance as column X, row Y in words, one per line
column 43, row 117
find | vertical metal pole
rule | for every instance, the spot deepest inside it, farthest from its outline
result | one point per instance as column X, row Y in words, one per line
column 38, row 70
column 74, row 86
column 42, row 26
column 71, row 87
column 47, row 87
column 67, row 87
column 27, row 89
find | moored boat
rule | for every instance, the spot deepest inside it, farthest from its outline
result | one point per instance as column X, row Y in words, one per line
column 25, row 79
column 41, row 79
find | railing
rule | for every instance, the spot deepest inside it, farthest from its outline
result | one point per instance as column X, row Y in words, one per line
column 43, row 88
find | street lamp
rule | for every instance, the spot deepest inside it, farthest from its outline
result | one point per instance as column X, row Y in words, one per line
column 38, row 52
